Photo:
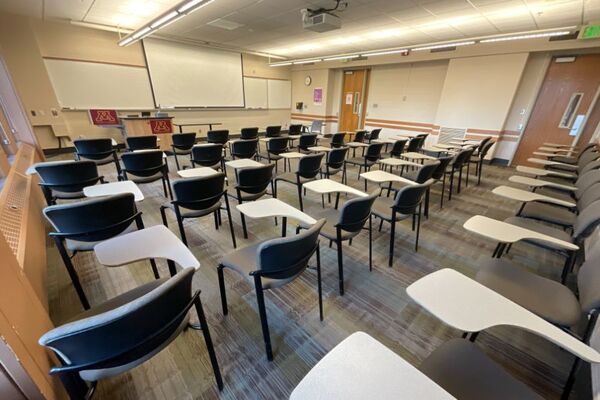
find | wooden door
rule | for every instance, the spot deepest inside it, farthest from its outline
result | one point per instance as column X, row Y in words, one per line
column 353, row 98
column 7, row 138
column 568, row 91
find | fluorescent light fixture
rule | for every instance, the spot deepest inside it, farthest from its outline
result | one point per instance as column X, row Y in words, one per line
column 385, row 52
column 528, row 36
column 280, row 64
column 164, row 19
column 172, row 21
column 126, row 41
column 444, row 45
column 141, row 32
column 195, row 4
column 316, row 60
column 342, row 57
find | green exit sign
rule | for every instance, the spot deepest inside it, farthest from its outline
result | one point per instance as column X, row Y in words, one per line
column 590, row 32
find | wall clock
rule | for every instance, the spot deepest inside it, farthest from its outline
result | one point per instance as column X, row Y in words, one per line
column 307, row 80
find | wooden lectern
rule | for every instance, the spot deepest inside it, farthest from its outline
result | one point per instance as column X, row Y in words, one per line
column 141, row 126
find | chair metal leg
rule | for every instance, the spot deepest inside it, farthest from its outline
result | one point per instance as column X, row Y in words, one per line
column 479, row 171
column 460, row 170
column 370, row 242
column 72, row 273
column 340, row 255
column 443, row 190
column 180, row 225
column 319, row 287
column 299, row 185
column 392, row 237
column 260, row 298
column 169, row 185
column 451, row 184
column 222, row 289
column 228, row 210
column 427, row 195
column 76, row 387
column 176, row 161
column 418, row 228
column 208, row 341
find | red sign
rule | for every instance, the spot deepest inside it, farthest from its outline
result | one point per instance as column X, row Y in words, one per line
column 159, row 126
column 104, row 117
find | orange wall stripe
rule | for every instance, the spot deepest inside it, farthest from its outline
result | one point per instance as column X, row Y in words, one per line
column 392, row 122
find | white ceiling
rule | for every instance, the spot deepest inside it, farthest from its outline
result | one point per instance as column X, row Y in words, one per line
column 274, row 26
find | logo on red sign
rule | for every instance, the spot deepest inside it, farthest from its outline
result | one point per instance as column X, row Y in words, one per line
column 159, row 126
column 104, row 117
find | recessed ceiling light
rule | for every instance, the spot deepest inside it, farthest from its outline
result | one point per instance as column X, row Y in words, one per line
column 528, row 36
column 385, row 52
column 444, row 45
column 280, row 64
column 316, row 60
column 342, row 57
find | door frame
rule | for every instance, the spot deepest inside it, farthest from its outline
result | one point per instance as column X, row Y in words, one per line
column 587, row 117
column 364, row 95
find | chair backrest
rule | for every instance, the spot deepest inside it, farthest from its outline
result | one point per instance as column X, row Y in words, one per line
column 441, row 168
column 336, row 157
column 220, row 136
column 413, row 144
column 586, row 180
column 373, row 152
column 587, row 158
column 254, row 180
column 310, row 165
column 287, row 257
column 273, row 131
column 69, row 177
column 127, row 333
column 426, row 171
column 355, row 213
column 199, row 193
column 307, row 141
column 207, row 155
column 337, row 139
column 588, row 283
column 591, row 194
column 93, row 149
column 184, row 141
column 422, row 138
column 463, row 157
column 484, row 148
column 409, row 197
column 295, row 129
column 244, row 148
column 249, row 133
column 142, row 142
column 587, row 220
column 316, row 126
column 278, row 145
column 94, row 219
column 398, row 147
column 590, row 166
column 143, row 163
column 375, row 133
column 359, row 136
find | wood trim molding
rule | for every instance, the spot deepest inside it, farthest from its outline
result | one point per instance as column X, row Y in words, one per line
column 404, row 123
column 94, row 61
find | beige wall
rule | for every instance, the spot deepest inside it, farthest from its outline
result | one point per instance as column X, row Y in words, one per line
column 24, row 42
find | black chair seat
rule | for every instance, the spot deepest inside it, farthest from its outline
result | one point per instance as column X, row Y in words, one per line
column 271, row 156
column 557, row 194
column 382, row 208
column 547, row 298
column 182, row 151
column 565, row 159
column 77, row 245
column 550, row 213
column 466, row 373
column 144, row 179
column 542, row 228
column 243, row 261
column 188, row 213
column 291, row 177
column 68, row 195
column 102, row 161
column 360, row 161
column 245, row 196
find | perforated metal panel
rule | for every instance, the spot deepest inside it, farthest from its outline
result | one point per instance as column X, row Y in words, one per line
column 448, row 134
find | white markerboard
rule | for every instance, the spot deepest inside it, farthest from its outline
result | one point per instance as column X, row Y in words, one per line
column 192, row 76
column 84, row 85
column 255, row 91
column 279, row 93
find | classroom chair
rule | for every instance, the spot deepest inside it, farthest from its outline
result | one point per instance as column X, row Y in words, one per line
column 271, row 264
column 249, row 133
column 244, row 148
column 337, row 140
column 373, row 135
column 99, row 150
column 309, row 167
column 370, row 158
column 460, row 160
column 146, row 142
column 478, row 159
column 208, row 155
column 273, row 131
column 146, row 167
column 276, row 146
column 295, row 129
column 182, row 145
column 124, row 332
column 305, row 141
column 66, row 180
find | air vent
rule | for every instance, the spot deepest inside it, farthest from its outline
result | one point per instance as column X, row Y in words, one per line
column 224, row 24
column 448, row 134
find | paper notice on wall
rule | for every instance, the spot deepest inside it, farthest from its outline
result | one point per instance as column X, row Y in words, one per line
column 318, row 96
column 349, row 98
column 576, row 125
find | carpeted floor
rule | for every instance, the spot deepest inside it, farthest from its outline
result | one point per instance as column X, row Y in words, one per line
column 375, row 302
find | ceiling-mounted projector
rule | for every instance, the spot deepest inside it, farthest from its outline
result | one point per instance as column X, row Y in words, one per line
column 323, row 22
